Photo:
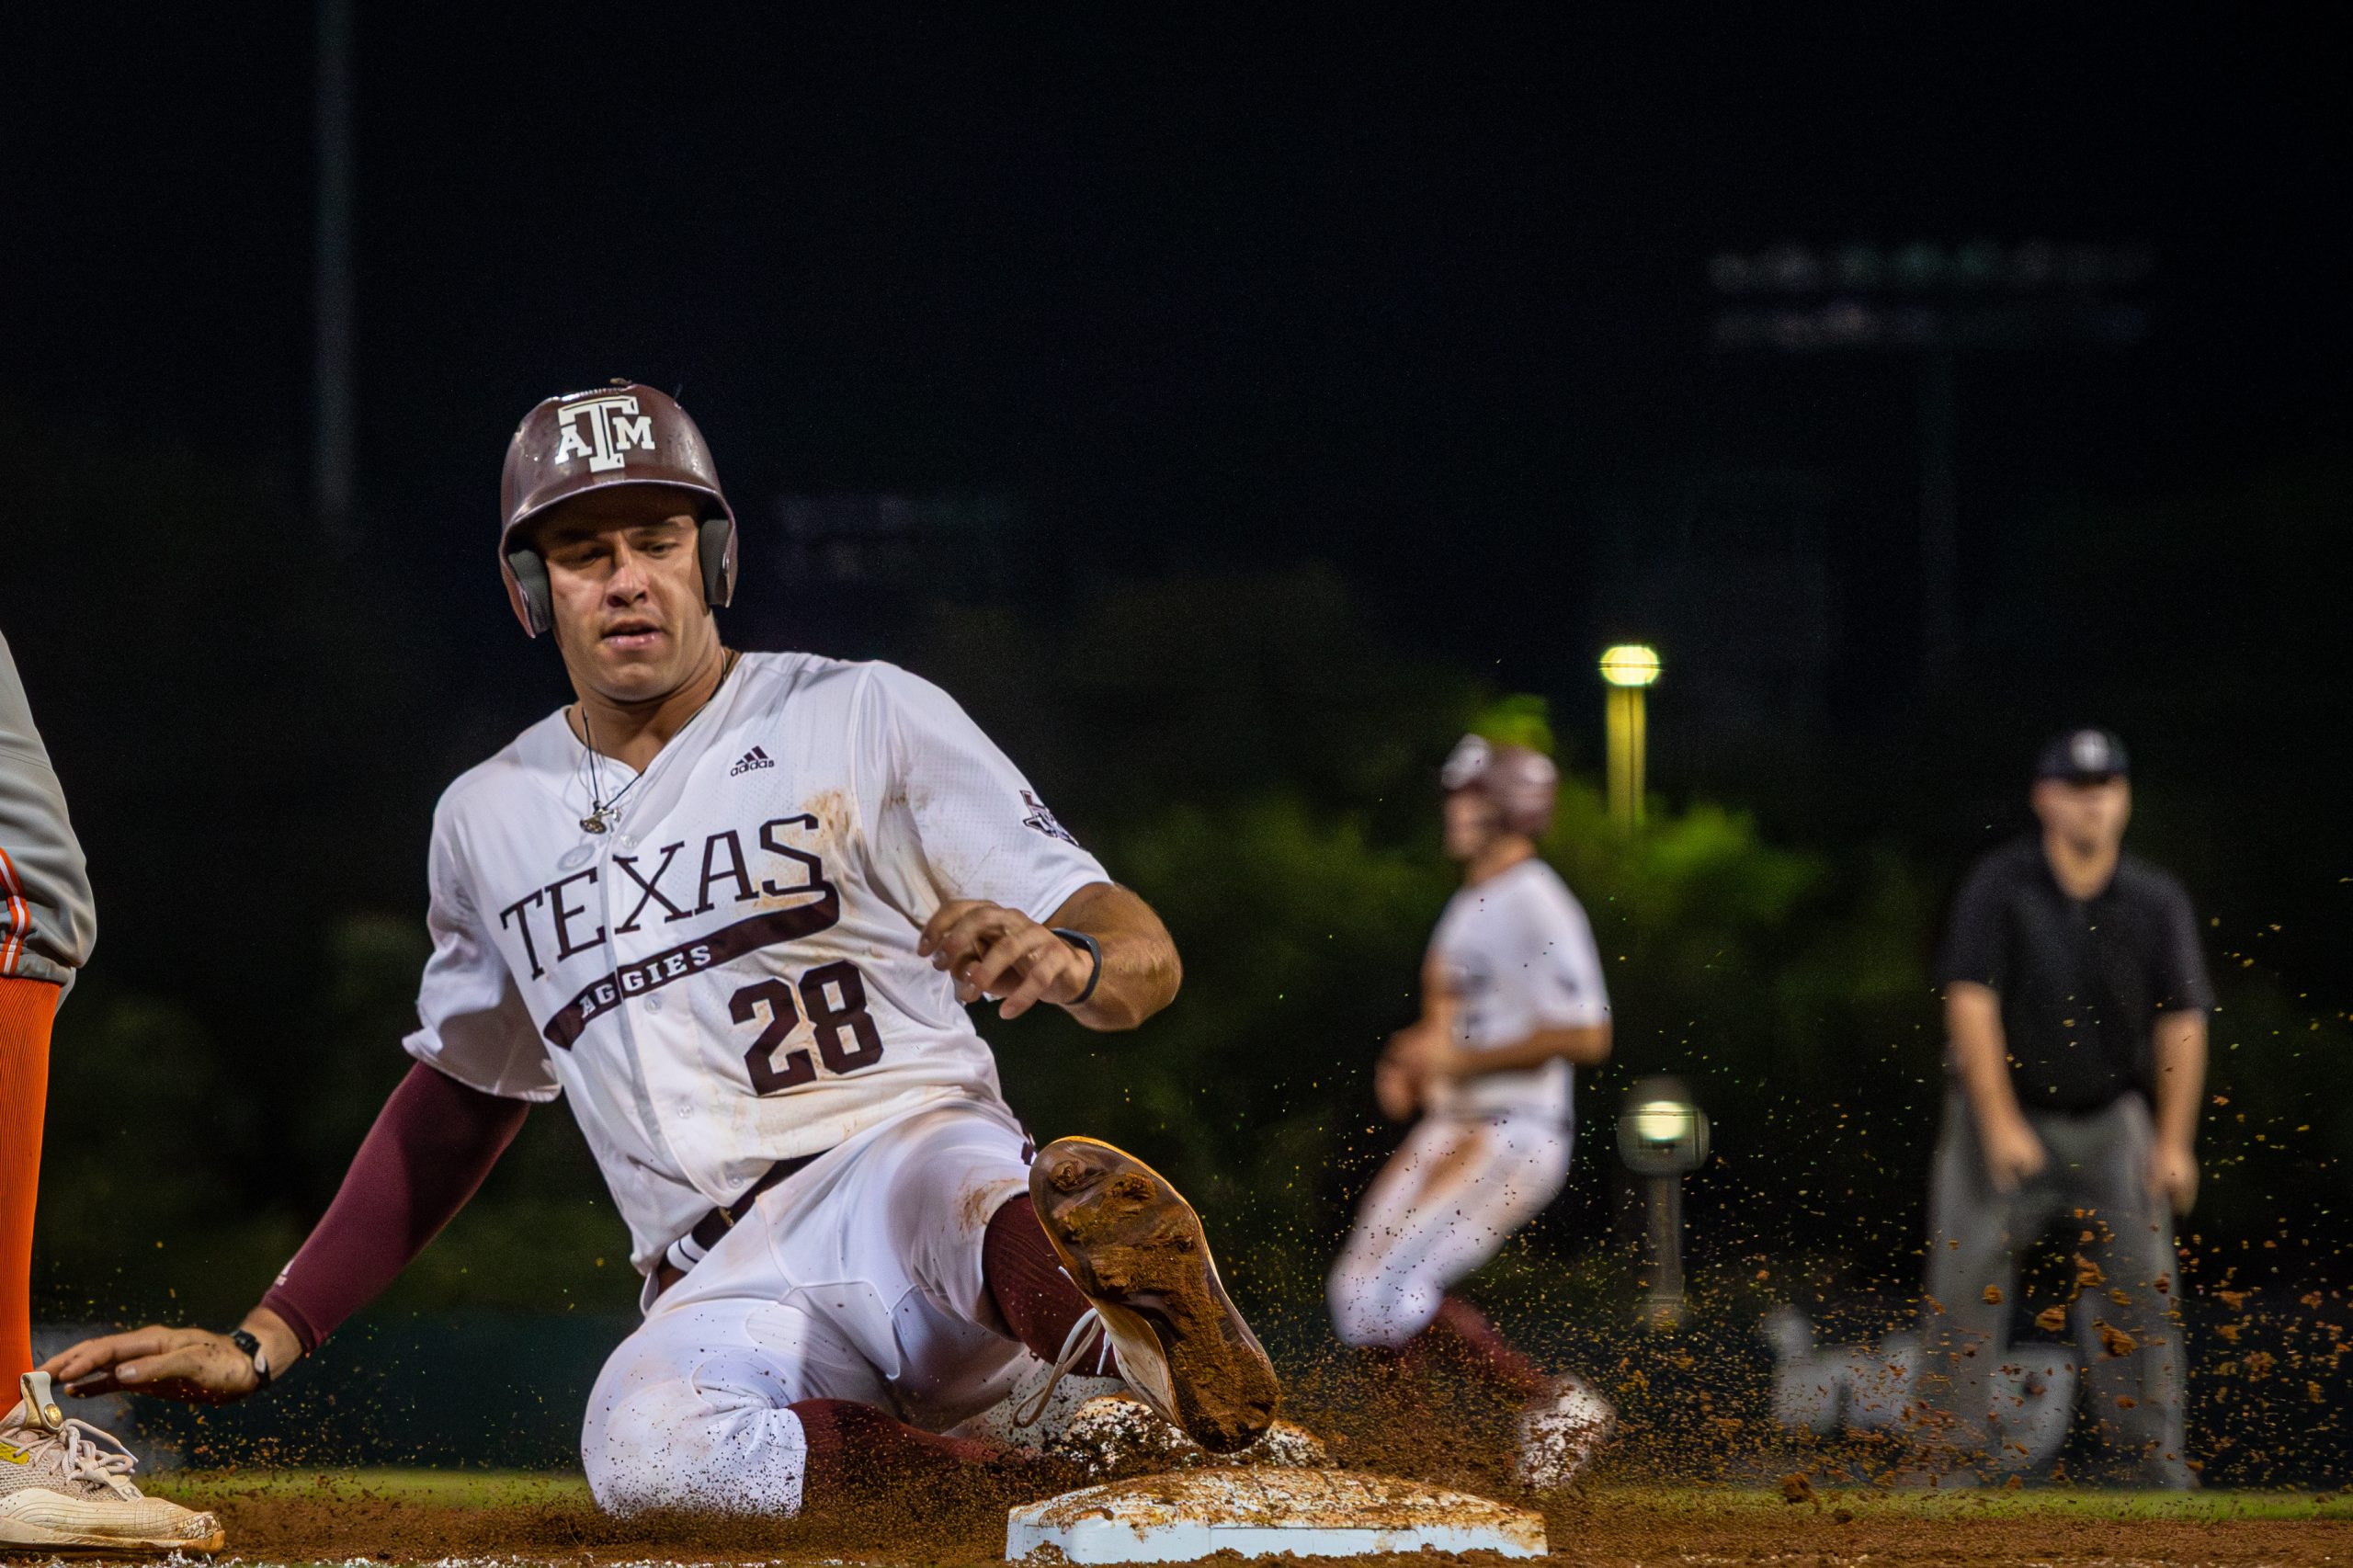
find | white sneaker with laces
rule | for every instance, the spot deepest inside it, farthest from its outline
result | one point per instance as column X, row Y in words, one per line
column 65, row 1483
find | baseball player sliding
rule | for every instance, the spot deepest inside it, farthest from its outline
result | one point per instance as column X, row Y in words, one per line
column 1512, row 1002
column 732, row 906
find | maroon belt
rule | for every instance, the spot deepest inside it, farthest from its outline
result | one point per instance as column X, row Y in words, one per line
column 713, row 1228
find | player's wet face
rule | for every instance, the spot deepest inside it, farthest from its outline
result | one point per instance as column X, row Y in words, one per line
column 2090, row 815
column 625, row 579
column 1470, row 824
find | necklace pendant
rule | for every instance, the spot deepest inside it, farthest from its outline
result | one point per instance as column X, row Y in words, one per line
column 593, row 822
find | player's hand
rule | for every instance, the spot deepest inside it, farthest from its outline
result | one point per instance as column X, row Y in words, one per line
column 2173, row 1175
column 1418, row 1056
column 2013, row 1154
column 171, row 1363
column 1427, row 1051
column 1397, row 1091
column 991, row 951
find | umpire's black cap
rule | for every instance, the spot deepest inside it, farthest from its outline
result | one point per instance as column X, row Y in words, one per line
column 2083, row 756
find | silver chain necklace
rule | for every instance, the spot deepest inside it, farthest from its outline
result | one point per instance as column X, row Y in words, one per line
column 602, row 812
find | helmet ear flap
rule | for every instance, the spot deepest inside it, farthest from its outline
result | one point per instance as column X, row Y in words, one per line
column 528, row 585
column 716, row 544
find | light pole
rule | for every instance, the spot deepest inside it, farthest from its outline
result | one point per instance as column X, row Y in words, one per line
column 1663, row 1137
column 1627, row 668
column 332, row 422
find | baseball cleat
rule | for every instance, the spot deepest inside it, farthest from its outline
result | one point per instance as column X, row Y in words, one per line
column 1560, row 1433
column 1136, row 1251
column 65, row 1485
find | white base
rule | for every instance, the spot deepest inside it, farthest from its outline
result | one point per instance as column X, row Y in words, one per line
column 1261, row 1511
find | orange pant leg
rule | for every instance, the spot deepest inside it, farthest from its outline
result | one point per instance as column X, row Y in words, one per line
column 27, row 1009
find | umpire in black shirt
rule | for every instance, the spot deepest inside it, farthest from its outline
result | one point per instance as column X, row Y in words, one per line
column 2076, row 1003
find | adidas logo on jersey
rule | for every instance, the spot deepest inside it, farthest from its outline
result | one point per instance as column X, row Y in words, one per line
column 755, row 758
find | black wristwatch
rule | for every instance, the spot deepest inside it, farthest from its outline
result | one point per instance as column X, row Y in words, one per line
column 243, row 1340
column 1094, row 949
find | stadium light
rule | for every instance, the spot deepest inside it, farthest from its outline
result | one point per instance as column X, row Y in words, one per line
column 1663, row 1137
column 1628, row 668
column 1629, row 663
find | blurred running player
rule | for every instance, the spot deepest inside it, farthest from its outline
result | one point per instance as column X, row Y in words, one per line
column 1512, row 1002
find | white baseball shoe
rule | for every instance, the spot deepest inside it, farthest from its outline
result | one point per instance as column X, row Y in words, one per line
column 63, row 1484
column 1560, row 1433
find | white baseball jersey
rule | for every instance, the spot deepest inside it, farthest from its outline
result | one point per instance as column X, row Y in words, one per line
column 728, row 977
column 1517, row 954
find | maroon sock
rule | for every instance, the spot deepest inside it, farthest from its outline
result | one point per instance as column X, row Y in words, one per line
column 1026, row 1280
column 855, row 1446
column 1461, row 1334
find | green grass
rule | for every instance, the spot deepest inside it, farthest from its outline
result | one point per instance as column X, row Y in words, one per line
column 481, row 1489
column 435, row 1488
column 1873, row 1503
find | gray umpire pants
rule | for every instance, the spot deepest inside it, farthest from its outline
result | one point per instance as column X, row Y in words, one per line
column 2127, row 1326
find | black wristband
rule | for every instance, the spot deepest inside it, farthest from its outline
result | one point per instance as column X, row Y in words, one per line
column 1094, row 949
column 243, row 1340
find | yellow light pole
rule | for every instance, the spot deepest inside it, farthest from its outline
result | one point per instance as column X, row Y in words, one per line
column 1627, row 667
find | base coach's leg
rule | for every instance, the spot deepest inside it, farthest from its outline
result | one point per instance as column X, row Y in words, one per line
column 27, row 1007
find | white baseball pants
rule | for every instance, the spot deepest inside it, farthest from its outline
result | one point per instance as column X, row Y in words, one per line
column 858, row 1277
column 1440, row 1208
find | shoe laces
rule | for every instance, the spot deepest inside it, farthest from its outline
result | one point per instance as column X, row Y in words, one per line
column 1086, row 1332
column 88, row 1453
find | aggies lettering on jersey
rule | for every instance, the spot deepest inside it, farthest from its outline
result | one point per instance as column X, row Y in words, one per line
column 728, row 977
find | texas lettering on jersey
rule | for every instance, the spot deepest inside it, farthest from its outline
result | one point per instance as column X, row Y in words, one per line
column 729, row 978
column 723, row 868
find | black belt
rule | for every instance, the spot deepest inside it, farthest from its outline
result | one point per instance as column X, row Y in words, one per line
column 713, row 1228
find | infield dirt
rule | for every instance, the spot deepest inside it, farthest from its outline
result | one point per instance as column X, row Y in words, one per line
column 424, row 1516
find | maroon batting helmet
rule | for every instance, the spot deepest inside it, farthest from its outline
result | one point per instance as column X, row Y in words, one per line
column 620, row 434
column 1521, row 783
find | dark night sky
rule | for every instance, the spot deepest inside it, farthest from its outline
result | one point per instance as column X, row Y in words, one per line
column 1245, row 265
column 1403, row 296
column 1425, row 299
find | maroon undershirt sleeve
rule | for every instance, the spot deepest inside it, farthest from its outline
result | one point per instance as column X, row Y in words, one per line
column 432, row 1144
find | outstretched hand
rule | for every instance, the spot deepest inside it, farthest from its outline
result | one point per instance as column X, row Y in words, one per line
column 193, row 1364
